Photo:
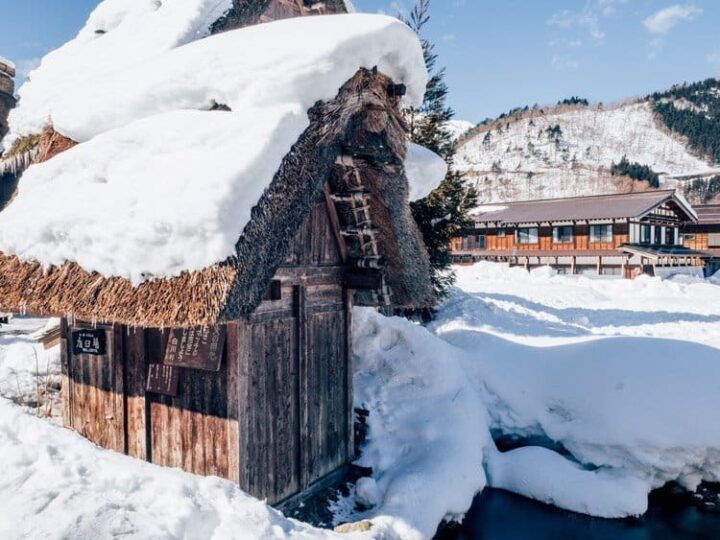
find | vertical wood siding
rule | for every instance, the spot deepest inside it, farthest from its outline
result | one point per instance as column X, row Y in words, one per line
column 276, row 417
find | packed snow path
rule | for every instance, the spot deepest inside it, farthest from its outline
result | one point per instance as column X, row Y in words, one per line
column 574, row 364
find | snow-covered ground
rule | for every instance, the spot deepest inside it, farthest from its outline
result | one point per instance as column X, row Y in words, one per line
column 611, row 387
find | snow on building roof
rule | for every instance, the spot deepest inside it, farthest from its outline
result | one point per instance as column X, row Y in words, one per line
column 424, row 170
column 7, row 62
column 615, row 206
column 160, row 184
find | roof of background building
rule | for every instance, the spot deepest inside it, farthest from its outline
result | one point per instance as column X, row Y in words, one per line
column 616, row 206
column 708, row 214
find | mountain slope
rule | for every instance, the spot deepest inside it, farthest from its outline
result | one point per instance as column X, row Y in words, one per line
column 568, row 150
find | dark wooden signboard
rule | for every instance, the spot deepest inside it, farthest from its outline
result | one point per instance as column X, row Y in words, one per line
column 89, row 341
column 162, row 379
column 200, row 347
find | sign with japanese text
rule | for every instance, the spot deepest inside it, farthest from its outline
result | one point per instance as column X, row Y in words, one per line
column 89, row 341
column 200, row 347
column 162, row 379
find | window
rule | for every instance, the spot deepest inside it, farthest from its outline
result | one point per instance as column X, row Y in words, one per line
column 480, row 241
column 601, row 233
column 563, row 235
column 528, row 235
column 644, row 234
column 501, row 233
column 714, row 239
column 658, row 235
column 670, row 236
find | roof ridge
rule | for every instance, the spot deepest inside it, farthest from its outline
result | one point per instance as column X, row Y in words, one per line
column 596, row 196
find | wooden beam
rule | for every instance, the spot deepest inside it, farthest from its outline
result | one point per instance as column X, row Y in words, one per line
column 335, row 223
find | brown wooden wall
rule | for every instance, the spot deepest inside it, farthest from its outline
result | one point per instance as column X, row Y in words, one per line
column 697, row 240
column 581, row 240
column 276, row 417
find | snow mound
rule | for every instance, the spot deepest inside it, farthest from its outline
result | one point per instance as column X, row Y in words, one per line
column 427, row 428
column 160, row 184
column 63, row 486
column 424, row 170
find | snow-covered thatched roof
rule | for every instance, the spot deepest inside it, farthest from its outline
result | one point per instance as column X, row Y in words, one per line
column 191, row 152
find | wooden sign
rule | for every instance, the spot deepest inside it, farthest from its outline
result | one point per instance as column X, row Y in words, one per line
column 89, row 341
column 162, row 379
column 200, row 347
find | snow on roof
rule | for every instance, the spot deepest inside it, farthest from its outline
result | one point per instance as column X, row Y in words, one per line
column 7, row 62
column 424, row 170
column 160, row 184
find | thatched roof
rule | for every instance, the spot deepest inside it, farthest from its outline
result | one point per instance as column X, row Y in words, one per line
column 248, row 12
column 363, row 120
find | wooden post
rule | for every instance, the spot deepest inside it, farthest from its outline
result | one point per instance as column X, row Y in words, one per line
column 66, row 378
column 573, row 265
column 599, row 265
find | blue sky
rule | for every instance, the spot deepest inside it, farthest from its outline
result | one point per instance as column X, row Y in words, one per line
column 499, row 54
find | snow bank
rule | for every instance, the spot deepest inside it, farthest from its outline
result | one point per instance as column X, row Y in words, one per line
column 55, row 484
column 544, row 475
column 424, row 170
column 161, row 184
column 630, row 414
column 427, row 428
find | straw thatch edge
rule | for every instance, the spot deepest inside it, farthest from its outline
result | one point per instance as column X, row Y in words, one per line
column 236, row 287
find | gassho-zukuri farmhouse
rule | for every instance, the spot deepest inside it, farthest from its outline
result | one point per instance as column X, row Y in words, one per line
column 203, row 210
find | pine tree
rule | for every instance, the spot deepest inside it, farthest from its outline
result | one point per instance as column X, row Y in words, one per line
column 445, row 213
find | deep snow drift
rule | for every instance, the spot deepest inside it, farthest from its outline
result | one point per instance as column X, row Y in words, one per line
column 553, row 362
column 156, row 168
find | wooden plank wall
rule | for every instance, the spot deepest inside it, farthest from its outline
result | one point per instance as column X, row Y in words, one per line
column 698, row 241
column 581, row 240
column 276, row 417
column 95, row 405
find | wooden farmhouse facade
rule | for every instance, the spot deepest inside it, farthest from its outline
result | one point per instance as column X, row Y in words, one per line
column 704, row 235
column 624, row 235
column 244, row 369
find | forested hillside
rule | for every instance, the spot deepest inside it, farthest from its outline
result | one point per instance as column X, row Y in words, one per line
column 667, row 139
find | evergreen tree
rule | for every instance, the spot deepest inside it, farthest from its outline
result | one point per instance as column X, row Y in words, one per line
column 445, row 213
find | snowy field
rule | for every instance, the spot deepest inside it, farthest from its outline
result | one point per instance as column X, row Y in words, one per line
column 610, row 387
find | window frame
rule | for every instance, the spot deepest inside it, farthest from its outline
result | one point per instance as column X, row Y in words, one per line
column 529, row 241
column 643, row 229
column 557, row 239
column 601, row 238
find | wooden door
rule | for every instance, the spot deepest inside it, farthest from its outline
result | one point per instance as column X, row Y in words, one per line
column 96, row 408
column 325, row 384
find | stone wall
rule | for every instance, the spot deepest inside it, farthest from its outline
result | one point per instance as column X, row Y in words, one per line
column 7, row 91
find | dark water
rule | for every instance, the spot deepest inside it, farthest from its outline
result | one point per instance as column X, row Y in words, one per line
column 499, row 515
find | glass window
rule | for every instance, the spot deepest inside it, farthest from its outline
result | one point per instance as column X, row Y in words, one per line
column 601, row 233
column 644, row 234
column 714, row 239
column 528, row 235
column 480, row 241
column 670, row 235
column 563, row 235
column 501, row 233
column 658, row 235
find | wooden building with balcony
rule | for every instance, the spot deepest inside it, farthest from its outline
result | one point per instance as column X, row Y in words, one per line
column 704, row 235
column 621, row 234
